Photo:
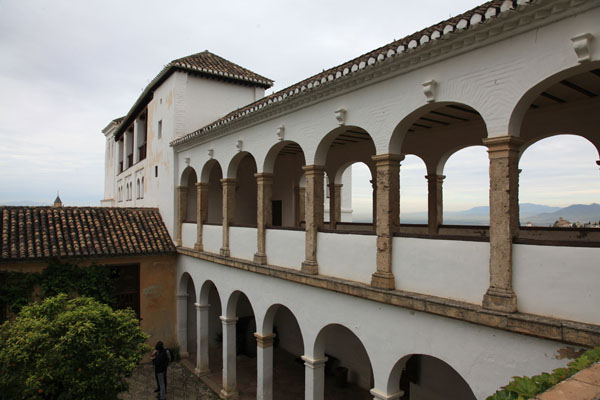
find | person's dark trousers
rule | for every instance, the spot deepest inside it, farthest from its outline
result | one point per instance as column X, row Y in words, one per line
column 161, row 384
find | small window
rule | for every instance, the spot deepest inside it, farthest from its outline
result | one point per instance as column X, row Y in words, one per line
column 160, row 129
column 156, row 171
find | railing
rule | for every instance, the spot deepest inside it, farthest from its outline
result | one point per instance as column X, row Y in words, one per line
column 142, row 152
column 455, row 269
column 285, row 247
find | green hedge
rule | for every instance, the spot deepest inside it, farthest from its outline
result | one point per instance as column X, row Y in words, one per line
column 523, row 387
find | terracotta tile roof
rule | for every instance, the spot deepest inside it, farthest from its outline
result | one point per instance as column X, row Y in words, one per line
column 31, row 233
column 204, row 63
column 478, row 15
column 211, row 64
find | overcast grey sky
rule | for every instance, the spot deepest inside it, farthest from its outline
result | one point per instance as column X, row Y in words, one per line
column 70, row 67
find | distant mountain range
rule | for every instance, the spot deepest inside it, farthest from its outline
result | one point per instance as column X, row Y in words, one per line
column 25, row 203
column 537, row 214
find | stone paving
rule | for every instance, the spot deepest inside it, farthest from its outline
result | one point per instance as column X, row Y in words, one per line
column 182, row 384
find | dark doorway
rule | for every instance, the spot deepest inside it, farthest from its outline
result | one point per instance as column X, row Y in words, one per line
column 126, row 281
column 276, row 211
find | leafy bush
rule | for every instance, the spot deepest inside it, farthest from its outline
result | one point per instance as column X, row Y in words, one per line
column 69, row 349
column 522, row 388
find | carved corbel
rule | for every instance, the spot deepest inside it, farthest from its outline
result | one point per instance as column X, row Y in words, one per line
column 281, row 132
column 239, row 145
column 211, row 153
column 429, row 89
column 340, row 115
column 581, row 45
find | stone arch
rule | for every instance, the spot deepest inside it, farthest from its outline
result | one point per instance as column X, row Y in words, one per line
column 321, row 154
column 211, row 175
column 276, row 149
column 523, row 104
column 242, row 169
column 530, row 143
column 437, row 115
column 188, row 180
column 186, row 314
column 345, row 349
column 427, row 373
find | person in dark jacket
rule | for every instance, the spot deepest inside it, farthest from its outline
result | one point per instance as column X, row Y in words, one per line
column 161, row 361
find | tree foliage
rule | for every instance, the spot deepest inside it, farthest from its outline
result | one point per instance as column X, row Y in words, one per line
column 69, row 349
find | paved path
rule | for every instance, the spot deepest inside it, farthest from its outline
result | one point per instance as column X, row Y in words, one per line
column 182, row 384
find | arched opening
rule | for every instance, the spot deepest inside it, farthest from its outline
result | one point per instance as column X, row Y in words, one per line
column 421, row 376
column 186, row 315
column 338, row 150
column 188, row 180
column 357, row 194
column 288, row 347
column 348, row 372
column 212, row 174
column 559, row 184
column 413, row 190
column 209, row 297
column 285, row 161
column 466, row 187
column 242, row 168
column 191, row 320
column 433, row 133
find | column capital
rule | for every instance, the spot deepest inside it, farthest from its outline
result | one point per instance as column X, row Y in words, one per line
column 229, row 181
column 503, row 143
column 386, row 158
column 337, row 185
column 201, row 307
column 314, row 363
column 182, row 188
column 202, row 185
column 439, row 178
column 228, row 320
column 182, row 296
column 264, row 176
column 264, row 341
column 377, row 395
column 313, row 168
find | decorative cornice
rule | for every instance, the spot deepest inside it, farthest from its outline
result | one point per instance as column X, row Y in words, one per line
column 495, row 24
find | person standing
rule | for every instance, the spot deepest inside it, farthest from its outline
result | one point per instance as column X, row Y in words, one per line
column 161, row 361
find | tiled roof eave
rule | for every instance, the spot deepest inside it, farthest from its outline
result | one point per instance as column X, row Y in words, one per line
column 507, row 19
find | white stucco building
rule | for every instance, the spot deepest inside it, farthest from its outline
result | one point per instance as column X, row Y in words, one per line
column 412, row 312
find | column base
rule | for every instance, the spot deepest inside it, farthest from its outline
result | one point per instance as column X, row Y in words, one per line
column 228, row 395
column 178, row 243
column 201, row 372
column 383, row 280
column 224, row 251
column 500, row 300
column 260, row 258
column 310, row 267
column 198, row 247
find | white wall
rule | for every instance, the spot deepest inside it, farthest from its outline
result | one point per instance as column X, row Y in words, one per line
column 347, row 256
column 558, row 281
column 189, row 234
column 242, row 242
column 285, row 248
column 446, row 268
column 212, row 238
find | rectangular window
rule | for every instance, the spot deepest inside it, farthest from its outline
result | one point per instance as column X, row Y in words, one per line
column 160, row 129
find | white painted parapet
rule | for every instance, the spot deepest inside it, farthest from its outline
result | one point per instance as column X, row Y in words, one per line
column 285, row 248
column 212, row 237
column 347, row 256
column 242, row 242
column 189, row 233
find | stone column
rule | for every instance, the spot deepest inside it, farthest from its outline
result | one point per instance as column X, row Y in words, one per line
column 338, row 201
column 125, row 145
column 388, row 216
column 181, row 211
column 264, row 218
column 264, row 360
column 332, row 206
column 373, row 183
column 201, row 212
column 229, row 390
column 314, row 378
column 314, row 215
column 182, row 323
column 377, row 395
column 202, row 339
column 136, row 128
column 504, row 220
column 435, row 203
column 301, row 205
column 229, row 186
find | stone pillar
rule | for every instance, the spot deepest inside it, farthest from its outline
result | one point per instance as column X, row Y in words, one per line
column 338, row 201
column 264, row 360
column 314, row 215
column 229, row 186
column 314, row 378
column 377, row 395
column 136, row 128
column 181, row 211
column 229, row 390
column 504, row 220
column 201, row 212
column 332, row 206
column 182, row 323
column 202, row 339
column 373, row 183
column 435, row 203
column 388, row 216
column 125, row 145
column 264, row 218
column 301, row 205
